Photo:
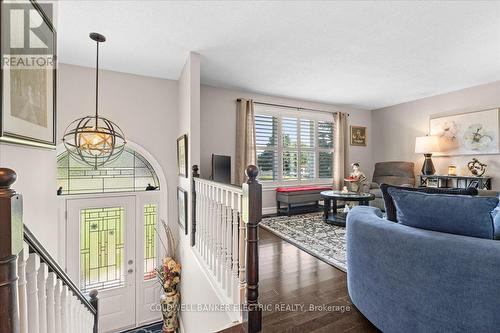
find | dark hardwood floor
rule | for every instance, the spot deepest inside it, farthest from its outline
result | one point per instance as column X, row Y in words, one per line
column 290, row 277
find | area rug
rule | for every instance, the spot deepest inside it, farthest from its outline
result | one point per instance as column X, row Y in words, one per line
column 151, row 328
column 308, row 232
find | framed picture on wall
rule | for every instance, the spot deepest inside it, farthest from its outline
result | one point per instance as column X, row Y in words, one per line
column 467, row 133
column 182, row 156
column 28, row 76
column 182, row 209
column 358, row 136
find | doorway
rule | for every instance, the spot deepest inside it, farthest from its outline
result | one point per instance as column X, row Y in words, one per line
column 111, row 246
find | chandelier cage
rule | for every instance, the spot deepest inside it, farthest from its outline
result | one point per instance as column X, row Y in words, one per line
column 94, row 139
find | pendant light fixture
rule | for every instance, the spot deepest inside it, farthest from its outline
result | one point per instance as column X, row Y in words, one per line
column 95, row 140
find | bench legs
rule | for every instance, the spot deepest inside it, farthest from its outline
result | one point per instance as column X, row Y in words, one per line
column 289, row 209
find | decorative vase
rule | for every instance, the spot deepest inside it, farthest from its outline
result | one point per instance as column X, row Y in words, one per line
column 169, row 308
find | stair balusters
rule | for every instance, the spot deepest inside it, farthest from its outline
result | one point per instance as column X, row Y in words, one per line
column 36, row 294
column 219, row 235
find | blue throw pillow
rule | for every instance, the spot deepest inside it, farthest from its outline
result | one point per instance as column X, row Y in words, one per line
column 454, row 214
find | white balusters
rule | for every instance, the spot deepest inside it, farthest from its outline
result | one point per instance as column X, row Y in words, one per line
column 229, row 245
column 65, row 305
column 21, row 285
column 43, row 274
column 58, row 290
column 220, row 238
column 32, row 266
column 51, row 303
column 235, row 237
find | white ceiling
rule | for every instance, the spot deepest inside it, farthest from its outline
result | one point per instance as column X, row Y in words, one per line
column 360, row 54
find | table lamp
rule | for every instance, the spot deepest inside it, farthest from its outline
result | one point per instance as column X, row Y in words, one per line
column 427, row 145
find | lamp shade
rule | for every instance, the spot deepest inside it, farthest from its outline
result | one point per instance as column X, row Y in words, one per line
column 427, row 144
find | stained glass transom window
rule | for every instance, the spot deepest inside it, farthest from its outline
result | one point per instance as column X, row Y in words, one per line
column 150, row 216
column 101, row 248
column 131, row 172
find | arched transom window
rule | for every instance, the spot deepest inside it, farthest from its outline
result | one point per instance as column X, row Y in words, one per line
column 131, row 172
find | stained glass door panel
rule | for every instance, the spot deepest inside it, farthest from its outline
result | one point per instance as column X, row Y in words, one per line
column 101, row 248
column 101, row 255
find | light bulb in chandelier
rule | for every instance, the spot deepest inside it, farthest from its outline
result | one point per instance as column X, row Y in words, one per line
column 95, row 142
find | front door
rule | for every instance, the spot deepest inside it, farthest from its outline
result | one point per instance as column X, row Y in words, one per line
column 101, row 254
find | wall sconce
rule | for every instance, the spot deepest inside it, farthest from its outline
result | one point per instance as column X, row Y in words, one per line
column 452, row 170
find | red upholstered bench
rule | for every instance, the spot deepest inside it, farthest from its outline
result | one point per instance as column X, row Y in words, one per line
column 299, row 199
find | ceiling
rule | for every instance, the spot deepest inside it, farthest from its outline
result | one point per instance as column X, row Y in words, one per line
column 360, row 53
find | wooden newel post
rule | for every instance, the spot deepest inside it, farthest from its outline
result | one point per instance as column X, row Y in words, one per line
column 94, row 300
column 252, row 215
column 193, row 205
column 11, row 243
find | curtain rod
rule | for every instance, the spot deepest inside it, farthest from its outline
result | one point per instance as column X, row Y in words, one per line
column 291, row 107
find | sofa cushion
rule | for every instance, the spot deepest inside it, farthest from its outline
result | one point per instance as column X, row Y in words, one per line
column 303, row 189
column 390, row 209
column 455, row 214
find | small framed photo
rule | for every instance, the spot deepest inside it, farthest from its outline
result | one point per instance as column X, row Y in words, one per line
column 182, row 209
column 182, row 156
column 358, row 136
column 433, row 182
column 28, row 77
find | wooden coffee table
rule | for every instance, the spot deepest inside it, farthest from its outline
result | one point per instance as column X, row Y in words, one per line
column 330, row 198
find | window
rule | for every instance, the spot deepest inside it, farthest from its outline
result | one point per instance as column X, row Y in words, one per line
column 129, row 173
column 150, row 215
column 267, row 146
column 293, row 145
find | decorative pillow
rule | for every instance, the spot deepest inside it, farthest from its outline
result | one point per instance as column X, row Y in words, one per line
column 496, row 221
column 454, row 214
column 390, row 210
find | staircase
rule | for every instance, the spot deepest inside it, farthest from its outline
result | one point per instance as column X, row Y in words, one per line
column 36, row 295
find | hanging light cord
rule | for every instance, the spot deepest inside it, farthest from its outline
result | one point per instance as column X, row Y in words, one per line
column 97, row 87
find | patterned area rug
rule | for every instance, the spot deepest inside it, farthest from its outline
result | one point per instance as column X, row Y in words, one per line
column 309, row 232
column 152, row 328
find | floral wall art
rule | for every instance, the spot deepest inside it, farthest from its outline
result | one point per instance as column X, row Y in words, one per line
column 471, row 133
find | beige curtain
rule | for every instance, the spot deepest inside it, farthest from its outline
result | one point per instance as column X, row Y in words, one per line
column 245, row 138
column 340, row 159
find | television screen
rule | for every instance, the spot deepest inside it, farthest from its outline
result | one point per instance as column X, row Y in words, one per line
column 221, row 169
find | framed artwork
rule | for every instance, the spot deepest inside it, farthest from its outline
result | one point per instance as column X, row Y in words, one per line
column 358, row 135
column 28, row 89
column 182, row 209
column 182, row 156
column 469, row 133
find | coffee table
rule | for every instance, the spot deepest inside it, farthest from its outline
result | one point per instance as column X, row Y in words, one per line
column 330, row 198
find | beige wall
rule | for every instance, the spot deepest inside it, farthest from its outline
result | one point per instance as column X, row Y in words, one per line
column 218, row 130
column 395, row 127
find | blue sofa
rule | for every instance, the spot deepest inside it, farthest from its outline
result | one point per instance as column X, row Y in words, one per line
column 405, row 279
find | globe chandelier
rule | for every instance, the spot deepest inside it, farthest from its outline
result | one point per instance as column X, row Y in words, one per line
column 95, row 140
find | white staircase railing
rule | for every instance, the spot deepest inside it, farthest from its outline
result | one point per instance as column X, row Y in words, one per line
column 220, row 235
column 36, row 294
column 225, row 236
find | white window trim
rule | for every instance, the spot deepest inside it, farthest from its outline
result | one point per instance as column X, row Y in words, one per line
column 279, row 113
